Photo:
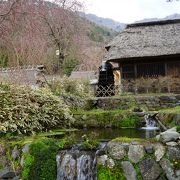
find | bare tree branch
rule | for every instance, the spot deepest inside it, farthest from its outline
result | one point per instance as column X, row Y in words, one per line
column 4, row 15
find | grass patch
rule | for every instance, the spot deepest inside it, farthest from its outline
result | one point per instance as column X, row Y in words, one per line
column 99, row 111
column 175, row 110
column 105, row 173
column 137, row 169
column 130, row 140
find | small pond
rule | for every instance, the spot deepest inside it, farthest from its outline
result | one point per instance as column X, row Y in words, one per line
column 109, row 133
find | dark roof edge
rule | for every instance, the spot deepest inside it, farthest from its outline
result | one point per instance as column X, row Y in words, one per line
column 143, row 57
column 152, row 23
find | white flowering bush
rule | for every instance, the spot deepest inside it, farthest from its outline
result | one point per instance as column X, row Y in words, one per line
column 67, row 86
column 24, row 111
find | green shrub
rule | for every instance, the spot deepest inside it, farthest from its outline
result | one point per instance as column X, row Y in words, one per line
column 131, row 121
column 23, row 110
column 89, row 142
column 68, row 141
column 105, row 173
column 40, row 163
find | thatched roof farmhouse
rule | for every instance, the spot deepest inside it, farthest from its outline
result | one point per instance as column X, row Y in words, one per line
column 147, row 49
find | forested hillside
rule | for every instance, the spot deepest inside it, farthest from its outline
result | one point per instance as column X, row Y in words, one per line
column 32, row 31
column 105, row 22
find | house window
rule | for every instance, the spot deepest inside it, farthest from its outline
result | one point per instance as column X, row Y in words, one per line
column 128, row 71
column 150, row 70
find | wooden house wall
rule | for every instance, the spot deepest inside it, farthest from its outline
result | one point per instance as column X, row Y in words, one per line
column 173, row 69
column 150, row 67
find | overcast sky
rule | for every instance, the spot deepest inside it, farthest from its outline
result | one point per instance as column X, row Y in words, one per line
column 128, row 11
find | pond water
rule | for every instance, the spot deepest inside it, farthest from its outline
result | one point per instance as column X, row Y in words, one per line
column 109, row 133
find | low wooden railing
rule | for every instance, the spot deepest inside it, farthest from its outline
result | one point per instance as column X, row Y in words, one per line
column 109, row 90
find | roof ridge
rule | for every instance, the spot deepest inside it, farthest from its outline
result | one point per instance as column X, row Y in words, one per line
column 152, row 23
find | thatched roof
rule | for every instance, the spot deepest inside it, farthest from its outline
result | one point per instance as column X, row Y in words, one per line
column 147, row 39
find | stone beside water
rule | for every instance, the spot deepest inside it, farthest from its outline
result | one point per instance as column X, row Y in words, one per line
column 173, row 153
column 129, row 170
column 116, row 151
column 150, row 170
column 168, row 136
column 136, row 153
column 7, row 173
column 159, row 151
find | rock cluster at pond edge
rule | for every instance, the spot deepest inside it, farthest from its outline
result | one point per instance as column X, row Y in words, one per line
column 151, row 161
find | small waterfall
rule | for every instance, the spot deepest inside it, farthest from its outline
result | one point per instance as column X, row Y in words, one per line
column 150, row 122
column 75, row 164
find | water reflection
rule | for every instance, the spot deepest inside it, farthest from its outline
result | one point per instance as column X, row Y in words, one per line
column 108, row 133
column 150, row 133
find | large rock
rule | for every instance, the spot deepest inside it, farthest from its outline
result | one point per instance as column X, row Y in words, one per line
column 105, row 161
column 67, row 168
column 110, row 163
column 102, row 160
column 169, row 135
column 172, row 144
column 174, row 129
column 116, row 150
column 15, row 153
column 129, row 170
column 7, row 173
column 16, row 178
column 173, row 153
column 159, row 151
column 150, row 170
column 168, row 169
column 149, row 149
column 135, row 153
column 25, row 148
